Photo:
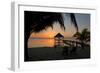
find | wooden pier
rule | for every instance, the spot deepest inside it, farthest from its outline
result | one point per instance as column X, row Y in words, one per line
column 72, row 43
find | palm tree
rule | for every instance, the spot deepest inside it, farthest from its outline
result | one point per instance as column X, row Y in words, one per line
column 38, row 21
column 83, row 36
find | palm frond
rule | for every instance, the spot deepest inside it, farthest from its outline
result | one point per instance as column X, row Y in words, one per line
column 84, row 35
column 73, row 20
column 42, row 20
column 38, row 21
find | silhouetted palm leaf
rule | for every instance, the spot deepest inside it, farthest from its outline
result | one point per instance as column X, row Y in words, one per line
column 73, row 20
column 38, row 21
column 43, row 20
column 83, row 36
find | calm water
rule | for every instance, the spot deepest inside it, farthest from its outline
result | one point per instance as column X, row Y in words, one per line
column 40, row 43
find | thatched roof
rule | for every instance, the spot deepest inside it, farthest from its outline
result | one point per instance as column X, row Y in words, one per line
column 59, row 35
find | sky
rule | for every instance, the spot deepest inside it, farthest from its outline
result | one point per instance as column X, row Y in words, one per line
column 83, row 21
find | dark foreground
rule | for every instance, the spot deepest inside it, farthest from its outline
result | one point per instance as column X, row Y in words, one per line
column 59, row 53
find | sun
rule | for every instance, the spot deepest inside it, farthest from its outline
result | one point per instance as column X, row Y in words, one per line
column 50, row 36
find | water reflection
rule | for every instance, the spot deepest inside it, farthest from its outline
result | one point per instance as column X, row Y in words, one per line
column 40, row 43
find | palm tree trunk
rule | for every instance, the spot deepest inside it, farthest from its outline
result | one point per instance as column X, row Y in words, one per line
column 82, row 45
column 26, row 57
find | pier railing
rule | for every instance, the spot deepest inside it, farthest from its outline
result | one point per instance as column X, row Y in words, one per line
column 73, row 43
